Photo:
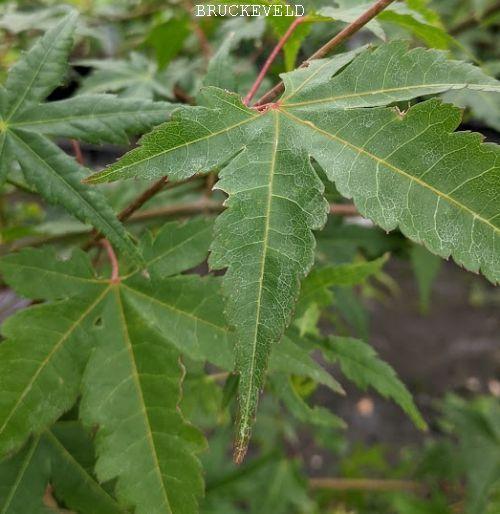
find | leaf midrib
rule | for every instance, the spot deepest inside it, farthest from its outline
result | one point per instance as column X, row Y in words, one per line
column 454, row 86
column 69, row 186
column 21, row 100
column 394, row 168
column 175, row 309
column 138, row 387
column 114, row 113
column 104, row 175
column 246, row 410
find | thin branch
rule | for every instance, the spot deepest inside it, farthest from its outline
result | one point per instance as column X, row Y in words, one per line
column 207, row 205
column 344, row 34
column 210, row 183
column 196, row 207
column 366, row 484
column 138, row 202
column 205, row 47
column 77, row 149
column 344, row 209
column 270, row 59
column 135, row 205
column 115, row 271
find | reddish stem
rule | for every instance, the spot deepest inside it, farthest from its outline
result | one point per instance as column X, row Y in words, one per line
column 115, row 272
column 270, row 59
column 344, row 34
column 78, row 151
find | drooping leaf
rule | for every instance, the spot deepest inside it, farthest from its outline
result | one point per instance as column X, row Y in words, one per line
column 57, row 177
column 24, row 122
column 265, row 240
column 405, row 169
column 361, row 364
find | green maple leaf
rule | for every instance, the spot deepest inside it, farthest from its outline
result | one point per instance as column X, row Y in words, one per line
column 135, row 77
column 63, row 457
column 71, row 453
column 118, row 344
column 23, row 479
column 402, row 169
column 101, row 339
column 25, row 123
column 360, row 363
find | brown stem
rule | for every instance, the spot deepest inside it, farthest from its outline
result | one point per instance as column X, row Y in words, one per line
column 136, row 204
column 472, row 21
column 205, row 47
column 209, row 184
column 77, row 149
column 198, row 206
column 365, row 484
column 276, row 50
column 207, row 205
column 344, row 209
column 182, row 97
column 115, row 271
column 347, row 32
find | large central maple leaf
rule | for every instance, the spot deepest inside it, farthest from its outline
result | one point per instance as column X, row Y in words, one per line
column 403, row 169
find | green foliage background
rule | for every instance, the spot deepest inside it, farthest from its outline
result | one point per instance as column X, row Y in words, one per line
column 118, row 394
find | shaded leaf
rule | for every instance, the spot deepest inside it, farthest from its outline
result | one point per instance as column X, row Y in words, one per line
column 94, row 118
column 71, row 455
column 23, row 480
column 361, row 364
